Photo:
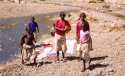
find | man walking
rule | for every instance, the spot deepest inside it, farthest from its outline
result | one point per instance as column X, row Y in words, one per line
column 61, row 27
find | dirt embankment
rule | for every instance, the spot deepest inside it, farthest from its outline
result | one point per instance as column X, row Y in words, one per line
column 10, row 10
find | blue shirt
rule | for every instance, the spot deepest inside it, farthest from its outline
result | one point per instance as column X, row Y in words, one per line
column 33, row 26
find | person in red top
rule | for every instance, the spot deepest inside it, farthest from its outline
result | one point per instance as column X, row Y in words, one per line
column 84, row 40
column 61, row 27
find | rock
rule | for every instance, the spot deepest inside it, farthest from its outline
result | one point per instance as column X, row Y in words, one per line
column 115, row 1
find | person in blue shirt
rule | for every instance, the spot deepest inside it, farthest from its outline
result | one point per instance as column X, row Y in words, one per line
column 33, row 26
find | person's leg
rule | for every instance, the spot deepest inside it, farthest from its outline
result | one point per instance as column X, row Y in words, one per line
column 29, row 54
column 33, row 56
column 58, row 48
column 84, row 48
column 35, row 35
column 64, row 51
column 87, row 55
column 80, row 52
column 87, row 60
column 64, row 48
column 25, row 52
column 80, row 55
column 57, row 55
column 89, row 49
column 90, row 44
column 24, row 56
column 83, row 67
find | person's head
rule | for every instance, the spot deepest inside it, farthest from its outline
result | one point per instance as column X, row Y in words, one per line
column 62, row 15
column 27, row 29
column 82, row 16
column 32, row 18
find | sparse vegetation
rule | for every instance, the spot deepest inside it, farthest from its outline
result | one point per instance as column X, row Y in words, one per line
column 96, row 1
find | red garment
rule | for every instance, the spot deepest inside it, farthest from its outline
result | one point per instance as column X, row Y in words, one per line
column 78, row 28
column 60, row 26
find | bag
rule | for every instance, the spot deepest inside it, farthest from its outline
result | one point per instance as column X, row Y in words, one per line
column 52, row 32
column 71, row 46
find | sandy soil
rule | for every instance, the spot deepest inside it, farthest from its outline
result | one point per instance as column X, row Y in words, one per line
column 9, row 10
column 108, row 43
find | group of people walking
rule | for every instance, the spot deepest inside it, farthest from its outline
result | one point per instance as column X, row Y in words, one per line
column 61, row 27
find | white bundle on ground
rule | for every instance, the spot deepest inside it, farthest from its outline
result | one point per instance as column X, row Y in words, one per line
column 43, row 53
column 48, row 50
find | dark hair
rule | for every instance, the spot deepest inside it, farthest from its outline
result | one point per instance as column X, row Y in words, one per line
column 32, row 18
column 27, row 29
column 86, row 26
column 83, row 15
column 62, row 14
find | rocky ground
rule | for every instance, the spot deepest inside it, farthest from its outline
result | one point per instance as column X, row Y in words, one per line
column 107, row 30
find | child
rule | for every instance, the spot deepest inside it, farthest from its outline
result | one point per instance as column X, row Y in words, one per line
column 27, row 46
column 84, row 39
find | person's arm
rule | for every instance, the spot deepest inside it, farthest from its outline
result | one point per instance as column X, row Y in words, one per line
column 67, row 27
column 33, row 39
column 57, row 28
column 54, row 26
column 77, row 31
column 21, row 48
column 37, row 27
column 22, row 41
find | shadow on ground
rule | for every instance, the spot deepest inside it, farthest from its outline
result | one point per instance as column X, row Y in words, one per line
column 70, row 58
column 93, row 66
column 98, row 58
column 98, row 65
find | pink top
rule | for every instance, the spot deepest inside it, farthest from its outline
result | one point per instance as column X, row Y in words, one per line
column 84, row 36
column 60, row 26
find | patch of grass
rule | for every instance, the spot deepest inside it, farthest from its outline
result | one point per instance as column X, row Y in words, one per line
column 35, row 1
column 10, row 26
column 106, row 6
column 96, row 1
column 42, row 0
column 115, row 28
column 119, row 15
column 92, row 1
